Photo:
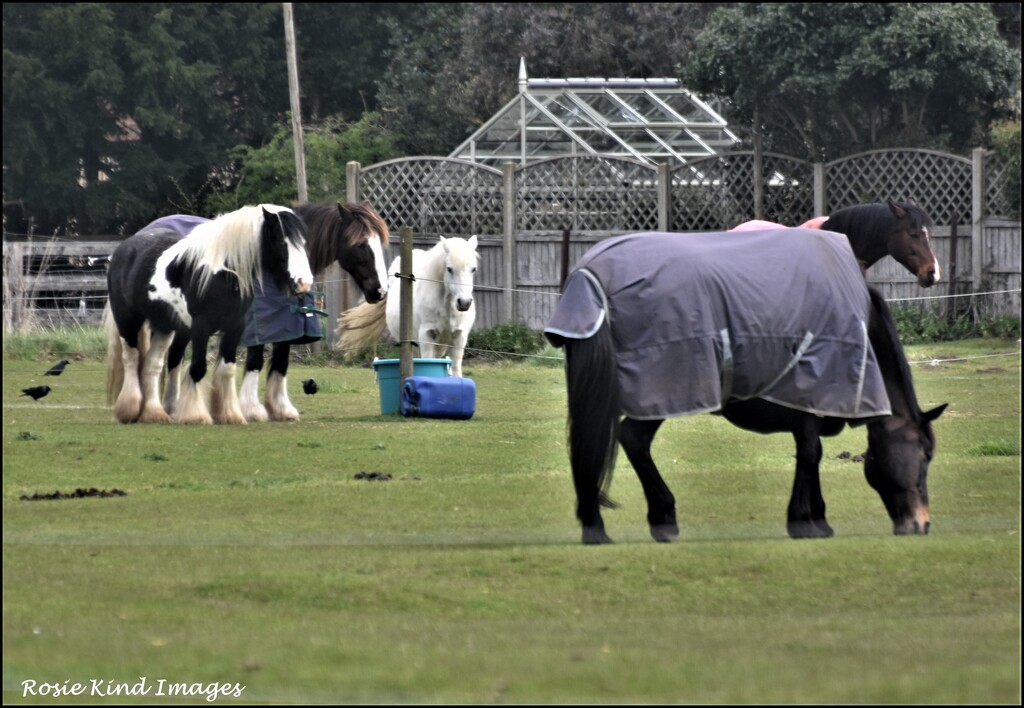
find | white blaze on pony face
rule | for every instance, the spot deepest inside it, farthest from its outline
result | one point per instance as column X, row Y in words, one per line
column 459, row 270
column 938, row 267
column 378, row 263
column 160, row 289
column 299, row 271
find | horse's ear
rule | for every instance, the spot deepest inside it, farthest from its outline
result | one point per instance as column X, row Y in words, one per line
column 897, row 211
column 343, row 209
column 934, row 413
column 444, row 243
column 472, row 241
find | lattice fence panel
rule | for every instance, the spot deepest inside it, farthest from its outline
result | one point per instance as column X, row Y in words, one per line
column 712, row 194
column 997, row 174
column 435, row 195
column 937, row 182
column 716, row 193
column 587, row 193
column 788, row 189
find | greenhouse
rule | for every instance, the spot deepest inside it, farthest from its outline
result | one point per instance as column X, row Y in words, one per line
column 650, row 120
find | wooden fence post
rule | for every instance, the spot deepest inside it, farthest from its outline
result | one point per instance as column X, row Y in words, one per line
column 508, row 218
column 15, row 294
column 977, row 222
column 664, row 196
column 405, row 283
column 819, row 190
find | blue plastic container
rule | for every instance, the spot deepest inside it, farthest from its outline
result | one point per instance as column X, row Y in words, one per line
column 427, row 397
column 389, row 378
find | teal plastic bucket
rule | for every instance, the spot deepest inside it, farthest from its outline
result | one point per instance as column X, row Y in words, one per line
column 389, row 378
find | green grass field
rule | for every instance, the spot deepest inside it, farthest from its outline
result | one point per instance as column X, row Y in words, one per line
column 252, row 555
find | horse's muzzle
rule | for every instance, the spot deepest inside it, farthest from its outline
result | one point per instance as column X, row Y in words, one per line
column 302, row 287
column 929, row 277
column 918, row 524
column 463, row 304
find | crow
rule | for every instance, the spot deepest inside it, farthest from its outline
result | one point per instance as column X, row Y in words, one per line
column 57, row 368
column 36, row 392
column 310, row 387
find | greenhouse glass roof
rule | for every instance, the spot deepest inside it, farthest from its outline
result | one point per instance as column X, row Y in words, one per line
column 651, row 120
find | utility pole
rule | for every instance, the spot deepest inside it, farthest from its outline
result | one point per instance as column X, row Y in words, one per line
column 293, row 91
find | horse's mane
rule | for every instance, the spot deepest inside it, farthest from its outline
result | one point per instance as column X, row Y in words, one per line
column 892, row 357
column 229, row 242
column 327, row 227
column 874, row 218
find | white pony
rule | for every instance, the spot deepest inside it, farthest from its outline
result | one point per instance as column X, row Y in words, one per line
column 442, row 304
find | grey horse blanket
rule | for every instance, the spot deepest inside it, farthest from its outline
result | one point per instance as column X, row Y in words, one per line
column 275, row 316
column 700, row 319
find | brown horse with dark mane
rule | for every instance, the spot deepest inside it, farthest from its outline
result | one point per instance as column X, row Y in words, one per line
column 900, row 230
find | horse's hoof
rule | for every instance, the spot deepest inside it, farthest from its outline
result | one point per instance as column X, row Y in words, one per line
column 256, row 414
column 809, row 529
column 595, row 536
column 826, row 530
column 154, row 414
column 194, row 420
column 230, row 420
column 664, row 533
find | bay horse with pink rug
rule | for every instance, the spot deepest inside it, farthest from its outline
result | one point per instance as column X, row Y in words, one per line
column 898, row 229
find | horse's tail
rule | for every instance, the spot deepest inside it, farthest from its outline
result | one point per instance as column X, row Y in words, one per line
column 361, row 327
column 594, row 413
column 115, row 362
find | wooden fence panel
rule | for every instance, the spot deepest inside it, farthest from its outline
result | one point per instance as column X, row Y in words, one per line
column 64, row 283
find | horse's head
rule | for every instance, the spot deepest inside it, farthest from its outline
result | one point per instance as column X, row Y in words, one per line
column 910, row 243
column 361, row 250
column 460, row 259
column 896, row 466
column 283, row 249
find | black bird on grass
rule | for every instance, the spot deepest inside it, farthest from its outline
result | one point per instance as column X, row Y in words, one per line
column 57, row 369
column 36, row 392
column 310, row 387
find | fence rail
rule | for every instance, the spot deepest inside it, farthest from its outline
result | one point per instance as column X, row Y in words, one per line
column 520, row 213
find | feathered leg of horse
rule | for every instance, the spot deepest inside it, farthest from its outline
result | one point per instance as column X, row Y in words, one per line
column 192, row 408
column 172, row 381
column 151, row 370
column 123, row 389
column 278, row 404
column 224, row 404
column 131, row 384
column 249, row 395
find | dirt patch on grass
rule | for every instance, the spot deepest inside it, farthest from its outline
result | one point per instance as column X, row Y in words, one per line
column 77, row 494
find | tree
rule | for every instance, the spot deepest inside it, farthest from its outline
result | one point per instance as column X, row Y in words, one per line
column 267, row 174
column 342, row 51
column 117, row 113
column 828, row 79
column 453, row 67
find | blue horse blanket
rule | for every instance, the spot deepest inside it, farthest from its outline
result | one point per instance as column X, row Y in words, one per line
column 275, row 316
column 700, row 319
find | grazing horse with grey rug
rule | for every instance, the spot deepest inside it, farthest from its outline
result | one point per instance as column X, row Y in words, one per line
column 775, row 330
